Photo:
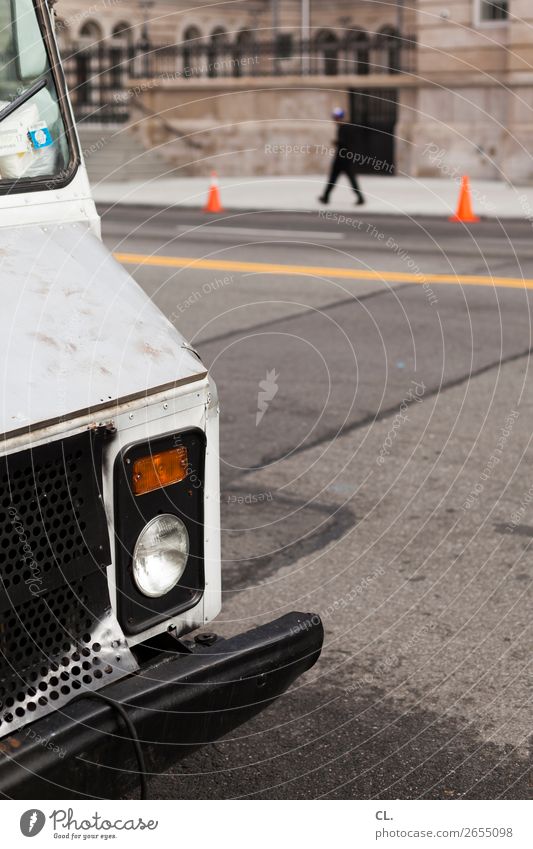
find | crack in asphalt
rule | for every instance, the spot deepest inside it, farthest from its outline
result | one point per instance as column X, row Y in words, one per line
column 303, row 314
column 370, row 418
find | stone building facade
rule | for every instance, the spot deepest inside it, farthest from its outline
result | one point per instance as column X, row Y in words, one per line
column 460, row 101
column 473, row 106
column 179, row 21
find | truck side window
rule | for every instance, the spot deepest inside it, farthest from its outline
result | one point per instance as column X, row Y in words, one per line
column 33, row 142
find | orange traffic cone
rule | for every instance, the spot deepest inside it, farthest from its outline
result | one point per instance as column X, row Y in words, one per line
column 213, row 199
column 464, row 212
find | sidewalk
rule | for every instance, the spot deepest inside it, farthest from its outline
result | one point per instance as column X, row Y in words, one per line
column 384, row 195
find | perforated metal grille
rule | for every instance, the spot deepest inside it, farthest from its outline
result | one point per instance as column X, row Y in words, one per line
column 44, row 657
column 57, row 632
column 41, row 523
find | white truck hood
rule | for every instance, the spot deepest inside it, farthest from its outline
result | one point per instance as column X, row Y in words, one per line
column 77, row 334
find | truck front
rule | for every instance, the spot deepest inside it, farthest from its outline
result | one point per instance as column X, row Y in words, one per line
column 109, row 484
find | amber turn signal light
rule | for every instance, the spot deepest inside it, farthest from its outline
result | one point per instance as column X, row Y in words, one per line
column 159, row 470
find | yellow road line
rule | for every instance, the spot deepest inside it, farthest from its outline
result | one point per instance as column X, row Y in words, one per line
column 196, row 263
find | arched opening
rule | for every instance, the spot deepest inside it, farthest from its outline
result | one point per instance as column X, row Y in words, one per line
column 358, row 53
column 243, row 48
column 91, row 32
column 87, row 66
column 120, row 54
column 217, row 52
column 123, row 33
column 327, row 50
column 219, row 36
column 192, row 34
column 192, row 48
column 388, row 44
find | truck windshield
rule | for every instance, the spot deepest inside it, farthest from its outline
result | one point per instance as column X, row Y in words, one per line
column 33, row 142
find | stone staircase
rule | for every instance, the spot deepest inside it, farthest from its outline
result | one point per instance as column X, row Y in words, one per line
column 115, row 154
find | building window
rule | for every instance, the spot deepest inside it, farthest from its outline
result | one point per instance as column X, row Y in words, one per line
column 493, row 10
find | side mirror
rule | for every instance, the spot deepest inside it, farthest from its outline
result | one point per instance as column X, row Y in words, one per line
column 28, row 42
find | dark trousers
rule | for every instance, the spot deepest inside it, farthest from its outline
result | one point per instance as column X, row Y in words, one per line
column 339, row 166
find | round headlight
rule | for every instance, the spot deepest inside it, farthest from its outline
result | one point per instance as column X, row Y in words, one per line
column 160, row 555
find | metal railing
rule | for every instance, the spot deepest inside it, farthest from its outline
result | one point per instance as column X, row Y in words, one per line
column 382, row 54
column 100, row 77
column 98, row 81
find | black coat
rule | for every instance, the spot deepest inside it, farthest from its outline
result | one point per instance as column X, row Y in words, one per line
column 344, row 138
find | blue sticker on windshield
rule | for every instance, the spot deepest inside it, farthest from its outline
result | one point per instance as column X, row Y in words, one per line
column 40, row 137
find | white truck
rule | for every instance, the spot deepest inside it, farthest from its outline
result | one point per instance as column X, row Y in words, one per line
column 109, row 485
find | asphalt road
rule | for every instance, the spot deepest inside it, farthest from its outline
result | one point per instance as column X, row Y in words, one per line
column 376, row 455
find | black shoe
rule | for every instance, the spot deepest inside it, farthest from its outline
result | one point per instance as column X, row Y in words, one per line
column 323, row 199
column 360, row 200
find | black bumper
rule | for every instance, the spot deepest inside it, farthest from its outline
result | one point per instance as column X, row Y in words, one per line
column 178, row 701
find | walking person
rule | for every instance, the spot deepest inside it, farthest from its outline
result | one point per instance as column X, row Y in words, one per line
column 343, row 161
